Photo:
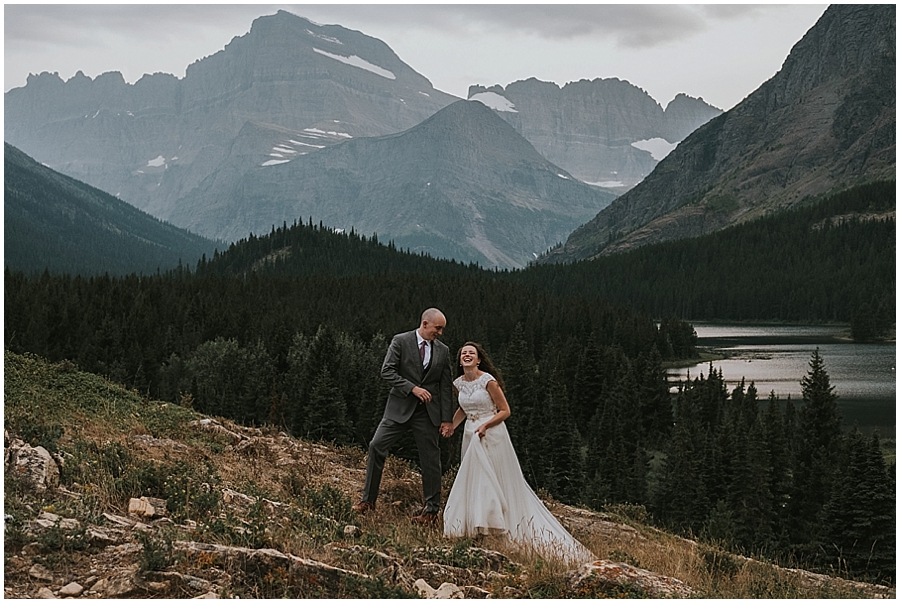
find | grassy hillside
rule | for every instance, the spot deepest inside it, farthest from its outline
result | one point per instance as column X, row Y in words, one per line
column 254, row 513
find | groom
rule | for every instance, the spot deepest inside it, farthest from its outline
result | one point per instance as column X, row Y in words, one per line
column 417, row 366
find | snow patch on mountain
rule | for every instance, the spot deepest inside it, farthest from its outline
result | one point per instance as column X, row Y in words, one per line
column 494, row 101
column 607, row 184
column 355, row 61
column 657, row 147
column 306, row 144
column 324, row 37
column 158, row 162
column 318, row 132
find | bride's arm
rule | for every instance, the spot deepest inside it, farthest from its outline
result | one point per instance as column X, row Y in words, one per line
column 502, row 405
column 458, row 418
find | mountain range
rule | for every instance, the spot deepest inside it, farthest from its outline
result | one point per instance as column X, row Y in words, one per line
column 290, row 89
column 296, row 120
column 607, row 132
column 825, row 122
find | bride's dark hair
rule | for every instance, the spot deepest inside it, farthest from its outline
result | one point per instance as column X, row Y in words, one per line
column 484, row 363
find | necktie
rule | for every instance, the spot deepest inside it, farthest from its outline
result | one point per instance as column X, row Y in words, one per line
column 422, row 352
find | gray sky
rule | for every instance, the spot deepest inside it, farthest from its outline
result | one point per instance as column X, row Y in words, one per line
column 720, row 52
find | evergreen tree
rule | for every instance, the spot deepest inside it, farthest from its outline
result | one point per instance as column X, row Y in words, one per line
column 749, row 496
column 561, row 457
column 589, row 383
column 818, row 448
column 654, row 399
column 779, row 454
column 863, row 323
column 259, row 387
column 820, row 421
column 217, row 368
column 519, row 373
column 681, row 501
column 321, row 357
column 858, row 525
column 325, row 416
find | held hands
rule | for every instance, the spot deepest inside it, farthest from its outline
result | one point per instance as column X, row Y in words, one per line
column 446, row 429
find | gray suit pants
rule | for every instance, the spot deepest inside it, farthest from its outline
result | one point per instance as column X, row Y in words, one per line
column 427, row 438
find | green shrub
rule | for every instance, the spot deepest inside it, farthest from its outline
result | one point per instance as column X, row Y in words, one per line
column 189, row 490
column 330, row 502
column 156, row 554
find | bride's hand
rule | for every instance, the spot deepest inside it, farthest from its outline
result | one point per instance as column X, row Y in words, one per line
column 481, row 431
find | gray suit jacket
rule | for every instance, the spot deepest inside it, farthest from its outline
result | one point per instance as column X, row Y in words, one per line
column 402, row 368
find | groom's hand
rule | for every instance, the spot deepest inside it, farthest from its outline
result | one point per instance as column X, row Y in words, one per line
column 446, row 429
column 421, row 393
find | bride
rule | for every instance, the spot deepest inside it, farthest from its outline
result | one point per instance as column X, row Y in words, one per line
column 490, row 494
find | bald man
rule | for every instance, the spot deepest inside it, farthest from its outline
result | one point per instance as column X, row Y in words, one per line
column 417, row 366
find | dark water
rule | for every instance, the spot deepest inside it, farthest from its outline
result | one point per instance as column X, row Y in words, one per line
column 776, row 358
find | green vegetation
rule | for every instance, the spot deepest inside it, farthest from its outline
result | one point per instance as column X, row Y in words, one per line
column 822, row 262
column 299, row 509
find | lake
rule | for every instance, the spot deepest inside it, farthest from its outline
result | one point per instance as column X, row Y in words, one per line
column 777, row 357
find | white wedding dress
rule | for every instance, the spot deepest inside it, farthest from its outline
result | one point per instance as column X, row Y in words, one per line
column 490, row 494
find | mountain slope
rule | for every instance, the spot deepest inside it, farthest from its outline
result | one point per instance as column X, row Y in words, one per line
column 150, row 143
column 54, row 222
column 595, row 129
column 824, row 123
column 462, row 184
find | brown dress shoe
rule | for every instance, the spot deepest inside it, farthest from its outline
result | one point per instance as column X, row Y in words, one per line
column 363, row 507
column 425, row 519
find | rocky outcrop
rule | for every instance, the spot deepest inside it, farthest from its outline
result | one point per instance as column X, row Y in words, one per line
column 590, row 127
column 826, row 121
column 33, row 465
column 611, row 575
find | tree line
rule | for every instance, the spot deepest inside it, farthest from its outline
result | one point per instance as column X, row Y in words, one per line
column 828, row 260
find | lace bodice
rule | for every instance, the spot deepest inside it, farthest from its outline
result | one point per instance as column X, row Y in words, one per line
column 474, row 398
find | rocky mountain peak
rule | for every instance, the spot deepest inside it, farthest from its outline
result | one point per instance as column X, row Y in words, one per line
column 826, row 121
column 683, row 114
column 288, row 80
column 598, row 130
column 284, row 46
column 472, row 126
column 847, row 41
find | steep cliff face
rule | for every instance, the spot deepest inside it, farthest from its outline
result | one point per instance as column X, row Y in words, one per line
column 151, row 142
column 462, row 184
column 824, row 122
column 590, row 128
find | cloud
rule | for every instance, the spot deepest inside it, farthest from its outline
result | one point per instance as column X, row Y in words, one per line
column 627, row 25
column 28, row 24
